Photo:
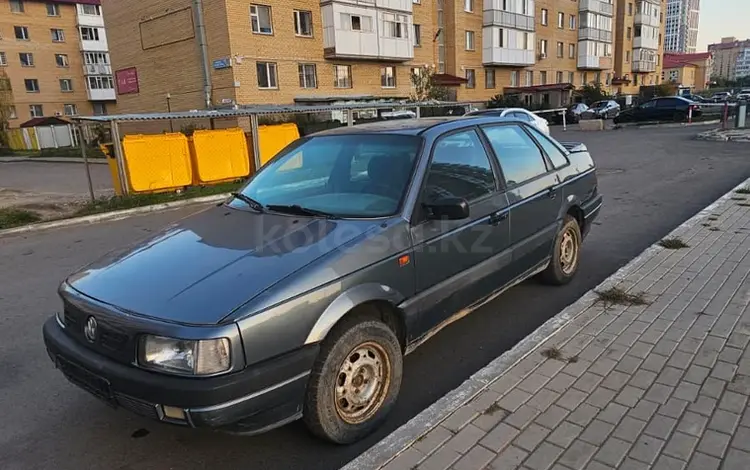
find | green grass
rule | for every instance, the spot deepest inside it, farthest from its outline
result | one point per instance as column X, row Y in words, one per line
column 10, row 218
column 117, row 203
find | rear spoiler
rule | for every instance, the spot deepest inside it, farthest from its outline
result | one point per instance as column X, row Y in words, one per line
column 574, row 147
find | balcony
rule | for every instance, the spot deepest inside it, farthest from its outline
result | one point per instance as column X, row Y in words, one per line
column 594, row 34
column 105, row 94
column 647, row 20
column 507, row 19
column 394, row 5
column 502, row 56
column 644, row 42
column 97, row 69
column 597, row 6
column 644, row 66
column 592, row 62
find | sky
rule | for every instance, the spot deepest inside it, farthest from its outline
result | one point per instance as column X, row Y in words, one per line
column 721, row 18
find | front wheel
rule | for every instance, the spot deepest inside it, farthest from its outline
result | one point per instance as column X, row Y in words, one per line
column 679, row 116
column 355, row 381
column 565, row 254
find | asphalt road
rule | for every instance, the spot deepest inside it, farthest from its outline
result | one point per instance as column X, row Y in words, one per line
column 652, row 181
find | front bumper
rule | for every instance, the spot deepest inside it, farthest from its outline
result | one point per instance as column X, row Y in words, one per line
column 256, row 399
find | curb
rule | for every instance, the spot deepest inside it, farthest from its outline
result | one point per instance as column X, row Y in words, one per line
column 398, row 441
column 92, row 160
column 666, row 125
column 114, row 215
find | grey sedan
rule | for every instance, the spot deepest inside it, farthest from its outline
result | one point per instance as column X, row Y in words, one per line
column 299, row 296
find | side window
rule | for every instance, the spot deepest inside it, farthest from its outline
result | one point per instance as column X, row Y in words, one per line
column 520, row 158
column 649, row 104
column 460, row 168
column 554, row 153
column 667, row 103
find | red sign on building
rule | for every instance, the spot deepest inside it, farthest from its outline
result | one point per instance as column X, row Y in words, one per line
column 127, row 81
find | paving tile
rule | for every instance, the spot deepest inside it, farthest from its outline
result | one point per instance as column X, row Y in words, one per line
column 669, row 463
column 724, row 421
column 692, row 423
column 696, row 374
column 440, row 460
column 552, row 417
column 407, row 460
column 714, row 443
column 489, row 418
column 673, row 408
column 713, row 387
column 543, row 457
column 659, row 393
column 601, row 397
column 613, row 413
column 660, row 426
column 550, row 368
column 594, row 465
column 736, row 459
column 578, row 455
column 564, row 434
column 680, row 360
column 742, row 439
column 522, row 416
column 571, row 399
column 531, row 437
column 484, row 400
column 499, row 437
column 543, row 399
column 724, row 371
column 687, row 391
column 733, row 402
column 465, row 439
column 432, row 440
column 615, row 380
column 681, row 446
column 588, row 382
column 476, row 459
column 629, row 429
column 533, row 383
column 703, row 462
column 670, row 376
column 603, row 366
column 630, row 464
column 514, row 399
column 597, row 432
column 629, row 396
column 613, row 451
column 703, row 405
column 583, row 414
column 643, row 379
column 628, row 364
column 646, row 449
column 460, row 418
column 509, row 459
column 644, row 410
column 560, row 383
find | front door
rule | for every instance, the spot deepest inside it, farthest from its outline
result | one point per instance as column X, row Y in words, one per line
column 535, row 201
column 460, row 261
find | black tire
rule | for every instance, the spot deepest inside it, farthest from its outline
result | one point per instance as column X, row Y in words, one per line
column 321, row 413
column 679, row 116
column 556, row 273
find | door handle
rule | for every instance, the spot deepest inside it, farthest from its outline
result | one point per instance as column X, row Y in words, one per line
column 498, row 217
column 552, row 193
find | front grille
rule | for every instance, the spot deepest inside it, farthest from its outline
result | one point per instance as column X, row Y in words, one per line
column 90, row 382
column 139, row 407
column 112, row 338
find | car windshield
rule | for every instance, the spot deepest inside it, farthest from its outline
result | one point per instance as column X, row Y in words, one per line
column 599, row 104
column 353, row 176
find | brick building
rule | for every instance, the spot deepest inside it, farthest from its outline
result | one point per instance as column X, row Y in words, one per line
column 54, row 54
column 167, row 55
column 726, row 55
column 691, row 71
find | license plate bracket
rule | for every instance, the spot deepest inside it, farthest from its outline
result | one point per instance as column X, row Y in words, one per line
column 92, row 383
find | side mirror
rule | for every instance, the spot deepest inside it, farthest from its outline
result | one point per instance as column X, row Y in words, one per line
column 448, row 208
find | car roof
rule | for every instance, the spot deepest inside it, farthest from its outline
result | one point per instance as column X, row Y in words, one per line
column 412, row 126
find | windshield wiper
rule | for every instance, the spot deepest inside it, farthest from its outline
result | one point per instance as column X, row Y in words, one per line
column 255, row 205
column 299, row 210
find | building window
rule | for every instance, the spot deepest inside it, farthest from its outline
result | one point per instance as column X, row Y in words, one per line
column 260, row 19
column 630, row 9
column 571, row 77
column 559, row 77
column 100, row 109
column 561, row 20
column 609, row 79
column 356, row 22
column 27, row 59
column 342, row 76
column 62, row 60
column 514, row 77
column 36, row 110
column 417, row 35
column 469, row 5
column 93, row 10
column 530, row 78
column 66, row 84
column 308, row 77
column 627, row 56
column 501, row 37
column 70, row 110
column 103, row 82
column 3, row 59
column 53, row 9
column 572, row 21
column 489, row 78
column 266, row 75
column 303, row 23
column 543, row 77
column 22, row 33
column 395, row 25
column 543, row 48
column 560, row 50
column 545, row 17
column 32, row 85
column 388, row 77
column 572, row 51
column 58, row 35
column 629, row 33
column 16, row 6
column 607, row 50
column 469, row 40
column 471, row 78
column 12, row 114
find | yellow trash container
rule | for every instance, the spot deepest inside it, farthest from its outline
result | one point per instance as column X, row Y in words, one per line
column 219, row 155
column 156, row 163
column 273, row 138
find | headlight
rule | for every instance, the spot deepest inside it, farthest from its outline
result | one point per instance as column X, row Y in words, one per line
column 204, row 357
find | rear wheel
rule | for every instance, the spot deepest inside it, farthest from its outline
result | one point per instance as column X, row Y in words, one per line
column 565, row 254
column 679, row 116
column 355, row 381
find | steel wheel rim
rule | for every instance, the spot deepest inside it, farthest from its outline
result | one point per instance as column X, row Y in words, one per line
column 569, row 251
column 362, row 382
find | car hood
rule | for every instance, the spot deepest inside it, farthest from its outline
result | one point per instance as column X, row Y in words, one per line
column 205, row 266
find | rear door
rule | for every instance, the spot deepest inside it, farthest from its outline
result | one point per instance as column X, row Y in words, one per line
column 666, row 108
column 535, row 201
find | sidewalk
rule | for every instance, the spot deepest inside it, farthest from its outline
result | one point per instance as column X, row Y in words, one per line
column 613, row 384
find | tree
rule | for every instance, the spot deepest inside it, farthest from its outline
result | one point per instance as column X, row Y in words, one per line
column 593, row 93
column 665, row 89
column 505, row 101
column 422, row 79
column 6, row 107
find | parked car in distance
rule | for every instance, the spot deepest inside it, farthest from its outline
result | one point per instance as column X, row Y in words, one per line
column 696, row 98
column 572, row 114
column 299, row 296
column 743, row 95
column 668, row 108
column 721, row 96
column 515, row 113
column 606, row 109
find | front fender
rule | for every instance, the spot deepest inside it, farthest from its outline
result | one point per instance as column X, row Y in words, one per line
column 346, row 302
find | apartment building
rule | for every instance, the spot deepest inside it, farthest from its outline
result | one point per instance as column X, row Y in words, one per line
column 639, row 44
column 682, row 26
column 691, row 71
column 726, row 56
column 55, row 56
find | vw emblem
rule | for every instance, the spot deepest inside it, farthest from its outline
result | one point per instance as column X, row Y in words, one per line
column 89, row 331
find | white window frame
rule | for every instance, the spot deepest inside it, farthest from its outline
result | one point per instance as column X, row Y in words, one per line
column 490, row 84
column 559, row 77
column 255, row 25
column 470, row 40
column 3, row 59
column 471, row 83
column 572, row 22
column 346, row 82
column 417, row 34
column 529, row 78
column 72, row 108
column 101, row 82
column 560, row 49
column 543, row 48
column 17, row 6
column 83, row 7
column 395, row 26
column 94, row 36
column 388, row 80
column 33, row 81
column 53, row 9
column 545, row 17
column 560, row 20
column 514, row 77
column 273, row 79
column 91, row 58
column 30, row 59
column 65, row 60
column 303, row 76
column 57, row 35
column 32, row 110
column 469, row 6
column 69, row 85
column 571, row 51
column 298, row 14
column 24, row 30
column 12, row 112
